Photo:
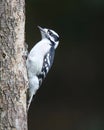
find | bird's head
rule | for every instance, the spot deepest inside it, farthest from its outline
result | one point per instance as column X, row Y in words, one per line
column 50, row 35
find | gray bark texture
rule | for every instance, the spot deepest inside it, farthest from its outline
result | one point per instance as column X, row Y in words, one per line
column 13, row 74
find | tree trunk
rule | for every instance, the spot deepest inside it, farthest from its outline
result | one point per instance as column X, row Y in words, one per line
column 13, row 74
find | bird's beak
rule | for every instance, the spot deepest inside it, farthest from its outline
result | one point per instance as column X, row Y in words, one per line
column 41, row 29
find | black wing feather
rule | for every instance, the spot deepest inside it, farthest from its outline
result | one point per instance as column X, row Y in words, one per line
column 47, row 63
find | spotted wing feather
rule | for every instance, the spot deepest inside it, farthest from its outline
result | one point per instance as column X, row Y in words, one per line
column 47, row 63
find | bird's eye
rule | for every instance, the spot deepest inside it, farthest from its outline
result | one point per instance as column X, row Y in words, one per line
column 49, row 32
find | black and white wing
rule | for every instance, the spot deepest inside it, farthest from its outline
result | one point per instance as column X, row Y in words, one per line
column 47, row 63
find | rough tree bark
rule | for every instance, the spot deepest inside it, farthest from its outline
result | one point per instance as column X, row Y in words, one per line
column 13, row 74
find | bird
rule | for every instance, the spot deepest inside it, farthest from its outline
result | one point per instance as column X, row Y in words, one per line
column 40, row 60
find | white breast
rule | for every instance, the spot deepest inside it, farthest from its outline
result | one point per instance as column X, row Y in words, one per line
column 36, row 56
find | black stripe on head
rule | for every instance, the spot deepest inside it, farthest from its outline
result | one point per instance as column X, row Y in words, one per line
column 56, row 38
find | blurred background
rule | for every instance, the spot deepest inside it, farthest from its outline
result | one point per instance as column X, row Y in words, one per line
column 71, row 97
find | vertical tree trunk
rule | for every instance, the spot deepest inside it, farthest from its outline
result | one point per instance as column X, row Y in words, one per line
column 13, row 75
